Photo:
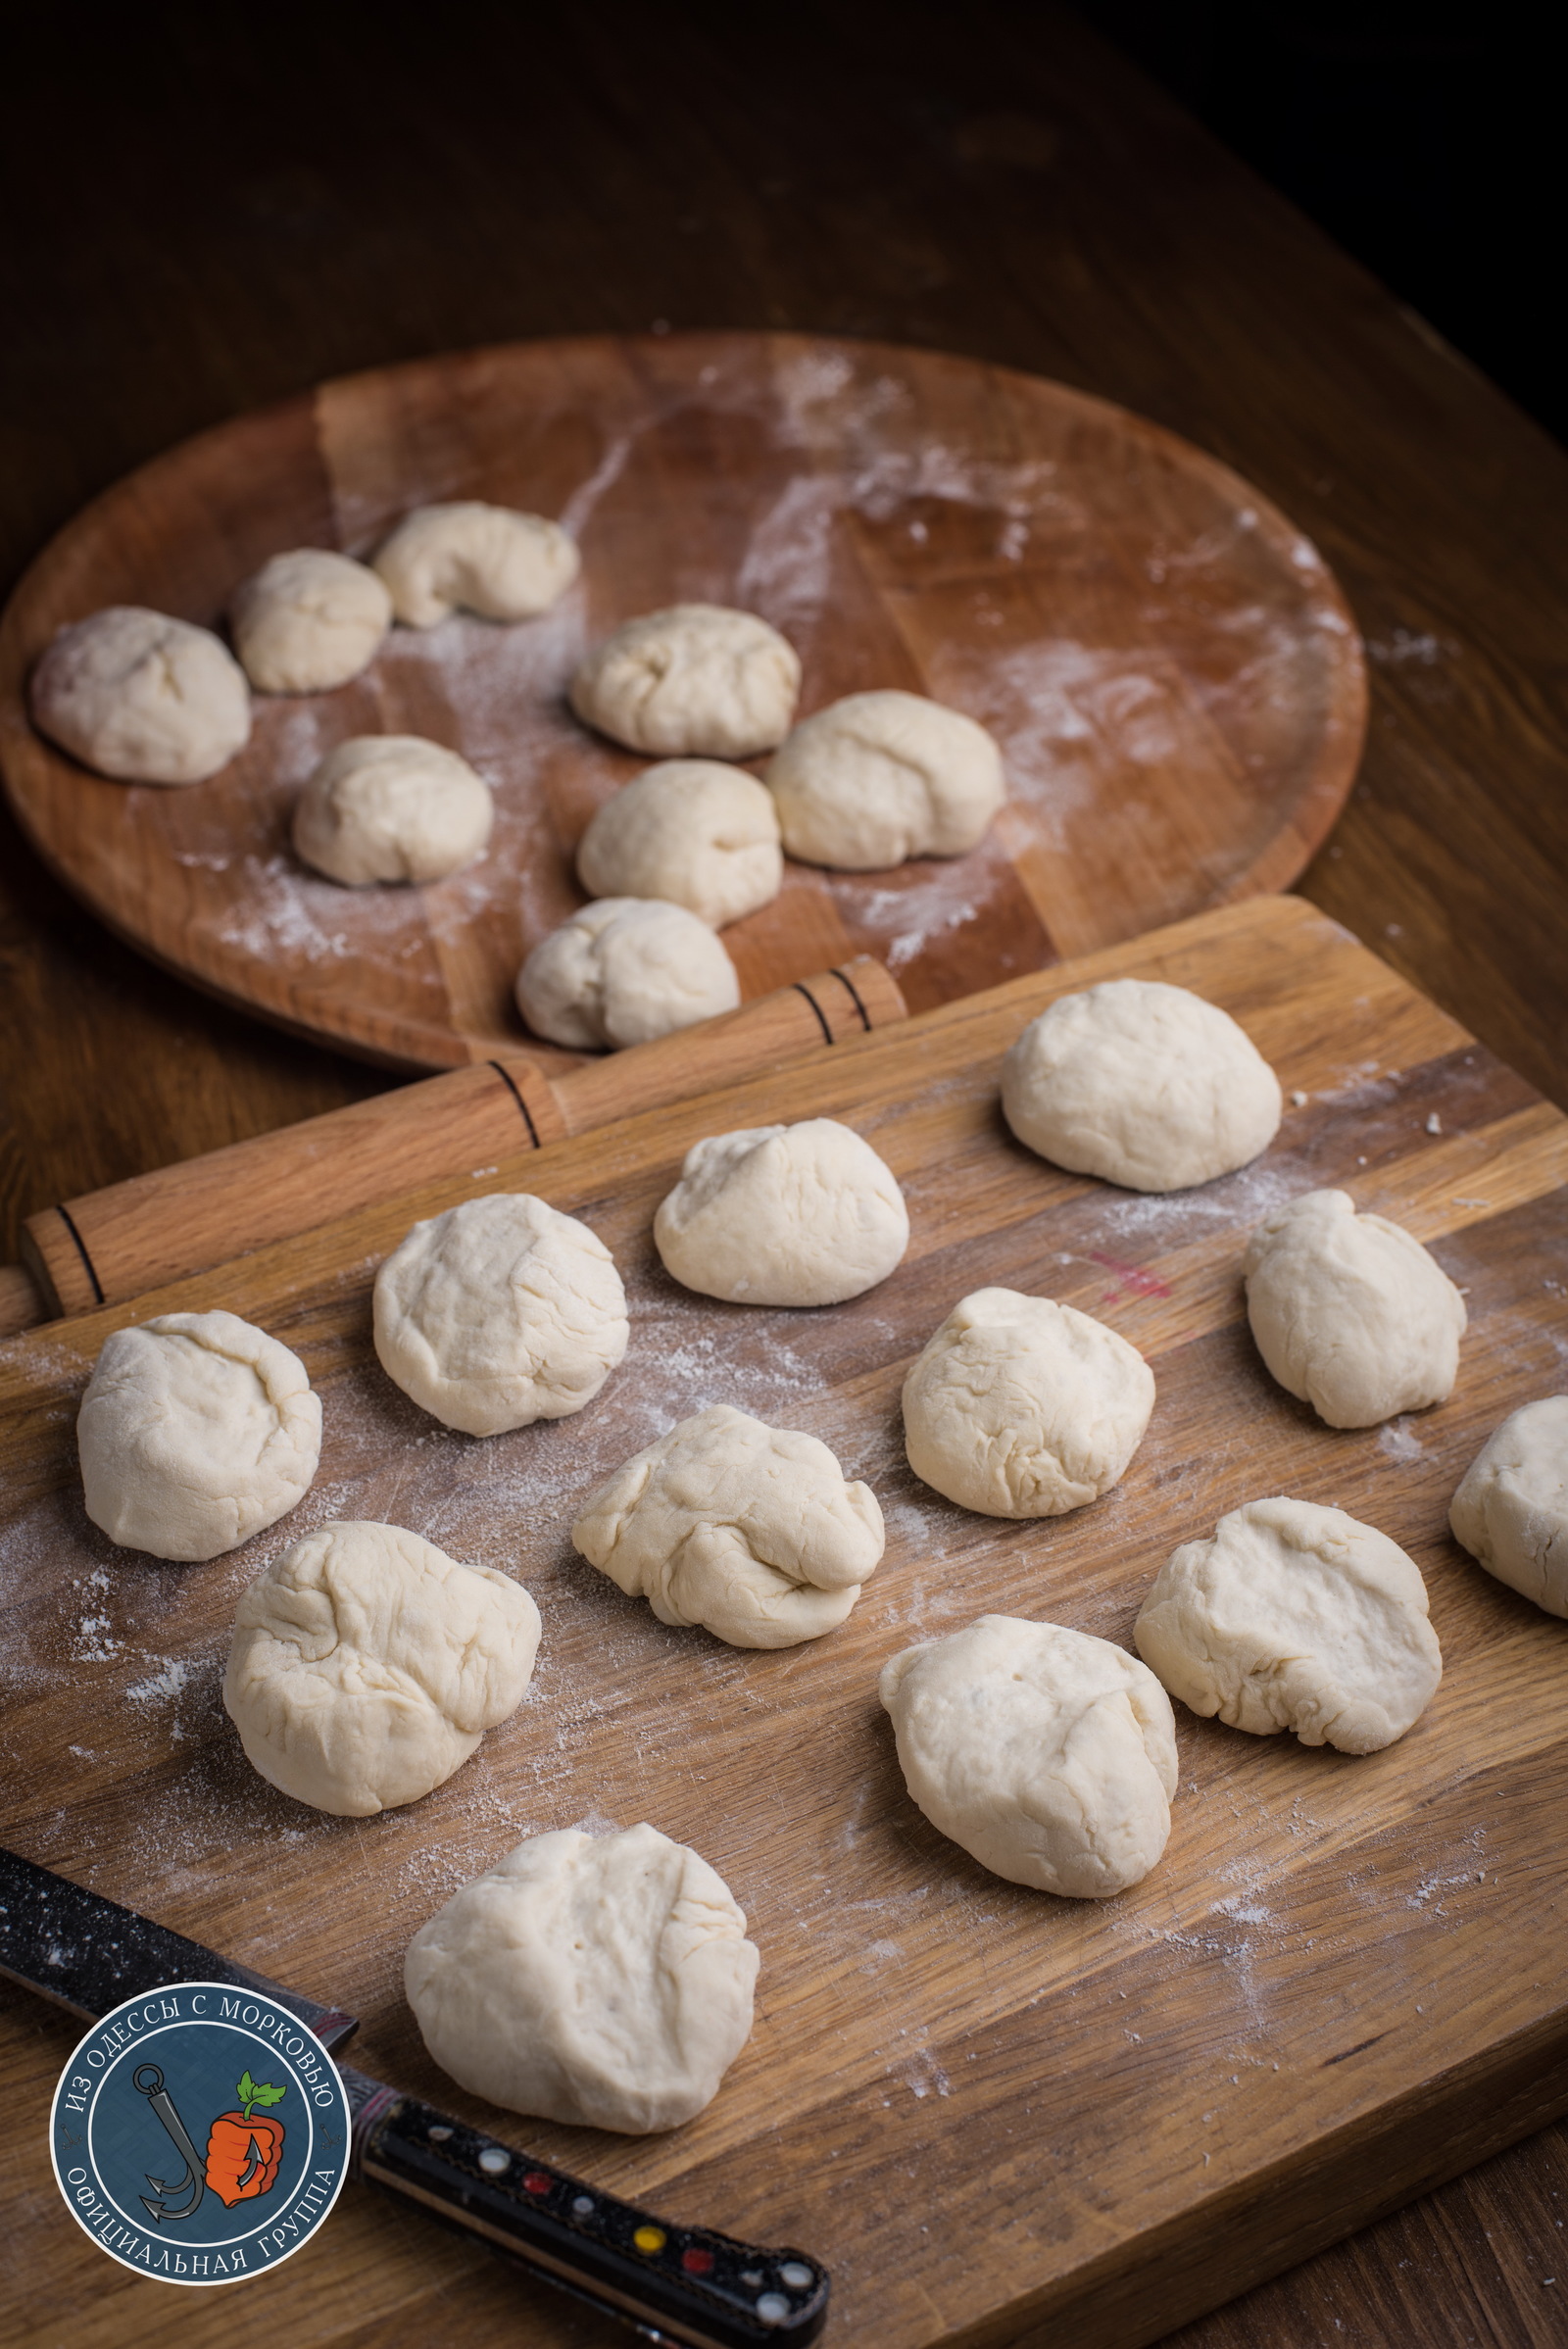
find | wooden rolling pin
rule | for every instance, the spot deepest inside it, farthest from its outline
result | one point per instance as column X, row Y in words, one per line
column 116, row 1243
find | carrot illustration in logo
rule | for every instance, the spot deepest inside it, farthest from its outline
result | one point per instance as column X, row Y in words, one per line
column 242, row 2151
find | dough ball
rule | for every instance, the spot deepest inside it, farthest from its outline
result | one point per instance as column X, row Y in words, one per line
column 500, row 1312
column 196, row 1431
column 882, row 776
column 601, row 1981
column 142, row 697
column 308, row 620
column 1293, row 1616
column 475, row 557
column 783, row 1215
column 747, row 1530
column 392, row 808
column 1351, row 1313
column 1511, row 1510
column 701, row 835
column 1021, row 1408
column 624, row 971
column 698, row 679
column 367, row 1664
column 1049, row 1755
column 1141, row 1084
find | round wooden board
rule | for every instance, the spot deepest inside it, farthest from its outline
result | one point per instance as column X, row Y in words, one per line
column 1171, row 671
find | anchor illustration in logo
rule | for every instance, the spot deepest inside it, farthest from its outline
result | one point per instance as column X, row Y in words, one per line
column 243, row 2152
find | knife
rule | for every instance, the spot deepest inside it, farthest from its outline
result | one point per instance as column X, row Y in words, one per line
column 684, row 2286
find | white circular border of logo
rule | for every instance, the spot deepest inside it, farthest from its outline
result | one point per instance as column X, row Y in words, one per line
column 90, row 2202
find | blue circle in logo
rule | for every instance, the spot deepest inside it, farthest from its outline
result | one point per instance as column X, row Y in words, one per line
column 200, row 2133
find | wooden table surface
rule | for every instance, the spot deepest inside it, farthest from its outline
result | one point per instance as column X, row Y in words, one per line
column 220, row 208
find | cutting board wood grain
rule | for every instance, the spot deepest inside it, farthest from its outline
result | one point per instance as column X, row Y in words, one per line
column 1000, row 2116
column 1172, row 675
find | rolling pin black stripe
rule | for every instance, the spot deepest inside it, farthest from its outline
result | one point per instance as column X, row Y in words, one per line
column 845, row 980
column 801, row 988
column 81, row 1251
column 533, row 1131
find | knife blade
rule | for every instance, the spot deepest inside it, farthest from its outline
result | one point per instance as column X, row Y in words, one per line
column 685, row 2285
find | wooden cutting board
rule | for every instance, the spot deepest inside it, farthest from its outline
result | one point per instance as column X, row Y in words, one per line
column 998, row 2115
column 1173, row 677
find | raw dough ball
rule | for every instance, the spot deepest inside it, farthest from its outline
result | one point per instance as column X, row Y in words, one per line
column 1511, row 1511
column 698, row 678
column 1141, row 1084
column 392, row 808
column 500, row 1312
column 196, row 1431
column 624, row 971
column 367, row 1664
column 749, row 1529
column 1349, row 1312
column 1293, row 1616
column 702, row 835
column 470, row 557
column 783, row 1215
column 308, row 620
column 1049, row 1755
column 882, row 776
column 1022, row 1407
column 142, row 697
column 602, row 1981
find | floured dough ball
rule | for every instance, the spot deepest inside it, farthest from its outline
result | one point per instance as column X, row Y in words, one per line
column 1141, row 1084
column 1291, row 1616
column 1511, row 1510
column 783, row 1215
column 1349, row 1312
column 308, row 620
column 142, row 697
column 1049, row 1755
column 696, row 679
column 601, row 1981
column 749, row 1529
column 500, row 1312
column 622, row 971
column 1021, row 1408
column 470, row 557
column 196, row 1431
column 881, row 776
column 702, row 835
column 367, row 1664
column 392, row 808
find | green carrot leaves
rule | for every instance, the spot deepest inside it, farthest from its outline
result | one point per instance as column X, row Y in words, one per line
column 252, row 2092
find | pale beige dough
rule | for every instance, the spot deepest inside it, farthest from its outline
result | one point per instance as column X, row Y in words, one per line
column 308, row 620
column 749, row 1529
column 142, row 697
column 605, row 1981
column 622, row 971
column 470, row 557
column 882, row 776
column 1511, row 1509
column 783, row 1215
column 696, row 680
column 367, row 1664
column 702, row 835
column 1048, row 1754
column 392, row 808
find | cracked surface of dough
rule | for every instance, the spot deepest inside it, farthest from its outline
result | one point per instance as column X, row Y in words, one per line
column 702, row 835
column 1293, row 1616
column 749, row 1529
column 783, row 1215
column 142, row 697
column 696, row 680
column 392, row 808
column 882, row 776
column 601, row 1981
column 1141, row 1084
column 500, row 1312
column 470, row 557
column 196, row 1431
column 367, row 1664
column 1349, row 1312
column 1048, row 1754
column 622, row 971
column 1511, row 1509
column 308, row 620
column 1022, row 1407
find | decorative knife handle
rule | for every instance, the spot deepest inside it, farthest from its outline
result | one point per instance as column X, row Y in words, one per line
column 679, row 2284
